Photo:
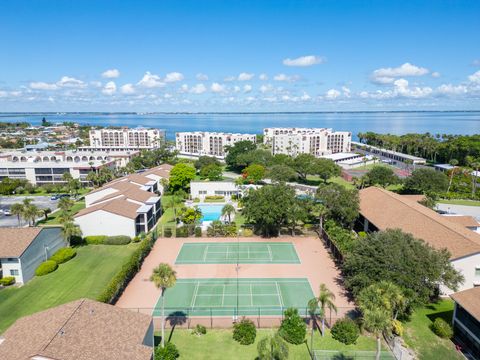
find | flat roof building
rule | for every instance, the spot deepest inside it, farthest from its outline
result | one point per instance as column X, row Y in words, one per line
column 390, row 154
column 126, row 138
column 315, row 141
column 200, row 143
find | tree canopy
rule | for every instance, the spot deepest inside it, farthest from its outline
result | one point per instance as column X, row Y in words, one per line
column 382, row 176
column 180, row 177
column 237, row 149
column 426, row 181
column 414, row 266
column 342, row 204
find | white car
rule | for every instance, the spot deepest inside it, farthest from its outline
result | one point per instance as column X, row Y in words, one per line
column 7, row 213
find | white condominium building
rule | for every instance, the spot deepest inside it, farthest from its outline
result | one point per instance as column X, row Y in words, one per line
column 315, row 141
column 199, row 143
column 126, row 138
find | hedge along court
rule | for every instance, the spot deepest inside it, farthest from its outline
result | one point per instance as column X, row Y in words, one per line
column 241, row 252
column 222, row 297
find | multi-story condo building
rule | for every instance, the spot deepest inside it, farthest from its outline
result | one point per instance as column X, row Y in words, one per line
column 199, row 143
column 48, row 167
column 315, row 141
column 126, row 138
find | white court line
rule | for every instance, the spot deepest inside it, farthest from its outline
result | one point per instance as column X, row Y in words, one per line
column 205, row 253
column 251, row 295
column 223, row 294
column 194, row 297
column 226, row 255
column 279, row 294
column 220, row 281
column 270, row 252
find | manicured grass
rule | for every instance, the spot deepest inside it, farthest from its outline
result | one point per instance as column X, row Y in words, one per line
column 53, row 218
column 218, row 345
column 314, row 180
column 460, row 202
column 419, row 337
column 86, row 275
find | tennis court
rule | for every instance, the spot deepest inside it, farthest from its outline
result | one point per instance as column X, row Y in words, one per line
column 243, row 252
column 229, row 297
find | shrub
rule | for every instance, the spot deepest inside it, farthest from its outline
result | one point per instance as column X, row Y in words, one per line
column 293, row 329
column 198, row 232
column 346, row 331
column 117, row 240
column 441, row 328
column 169, row 352
column 63, row 255
column 247, row 232
column 167, row 232
column 95, row 239
column 46, row 267
column 196, row 200
column 199, row 330
column 182, row 232
column 118, row 283
column 244, row 332
column 76, row 240
column 7, row 280
column 397, row 327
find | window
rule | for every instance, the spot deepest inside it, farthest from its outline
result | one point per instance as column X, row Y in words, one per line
column 14, row 272
column 477, row 271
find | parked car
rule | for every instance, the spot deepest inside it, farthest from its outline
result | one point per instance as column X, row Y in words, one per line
column 7, row 212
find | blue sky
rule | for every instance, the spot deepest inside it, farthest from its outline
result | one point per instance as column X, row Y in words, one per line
column 239, row 55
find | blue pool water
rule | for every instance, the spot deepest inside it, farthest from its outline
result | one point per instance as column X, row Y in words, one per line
column 211, row 212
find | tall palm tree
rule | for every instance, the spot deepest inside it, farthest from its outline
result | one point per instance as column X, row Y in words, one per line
column 31, row 212
column 454, row 163
column 272, row 347
column 70, row 230
column 325, row 300
column 17, row 209
column 65, row 204
column 228, row 210
column 377, row 321
column 164, row 277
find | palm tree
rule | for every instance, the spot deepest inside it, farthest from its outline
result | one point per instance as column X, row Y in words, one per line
column 70, row 230
column 454, row 163
column 228, row 210
column 325, row 299
column 30, row 211
column 65, row 204
column 164, row 277
column 272, row 347
column 46, row 212
column 17, row 209
column 377, row 321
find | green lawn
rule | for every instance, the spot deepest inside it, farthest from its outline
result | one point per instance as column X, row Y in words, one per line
column 218, row 344
column 460, row 202
column 53, row 218
column 86, row 275
column 315, row 180
column 420, row 338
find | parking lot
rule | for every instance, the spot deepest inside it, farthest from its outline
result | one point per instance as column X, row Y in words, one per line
column 43, row 202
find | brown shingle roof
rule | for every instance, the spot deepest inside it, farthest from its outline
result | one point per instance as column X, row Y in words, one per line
column 467, row 221
column 120, row 207
column 139, row 179
column 134, row 193
column 14, row 241
column 387, row 210
column 80, row 330
column 469, row 300
column 162, row 171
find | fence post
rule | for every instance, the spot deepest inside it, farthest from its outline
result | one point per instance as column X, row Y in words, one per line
column 258, row 321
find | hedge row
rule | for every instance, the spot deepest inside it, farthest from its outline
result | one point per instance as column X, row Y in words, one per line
column 61, row 256
column 107, row 240
column 120, row 281
column 7, row 280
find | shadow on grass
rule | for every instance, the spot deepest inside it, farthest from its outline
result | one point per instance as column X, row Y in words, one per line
column 174, row 319
column 445, row 315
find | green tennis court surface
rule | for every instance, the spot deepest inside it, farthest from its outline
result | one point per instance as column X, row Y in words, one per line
column 243, row 252
column 218, row 297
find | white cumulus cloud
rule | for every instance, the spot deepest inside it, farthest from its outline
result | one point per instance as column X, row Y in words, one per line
column 388, row 75
column 247, row 88
column 198, row 89
column 287, row 78
column 70, row 82
column 263, row 77
column 245, row 76
column 475, row 78
column 110, row 88
column 43, row 86
column 304, row 61
column 111, row 74
column 217, row 88
column 173, row 77
column 150, row 80
column 332, row 94
column 127, row 89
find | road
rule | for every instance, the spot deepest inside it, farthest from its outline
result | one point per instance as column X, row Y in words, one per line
column 43, row 202
column 461, row 209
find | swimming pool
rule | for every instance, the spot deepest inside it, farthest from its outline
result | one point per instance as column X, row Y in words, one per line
column 211, row 212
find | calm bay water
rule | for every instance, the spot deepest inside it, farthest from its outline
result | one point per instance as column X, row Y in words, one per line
column 381, row 122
